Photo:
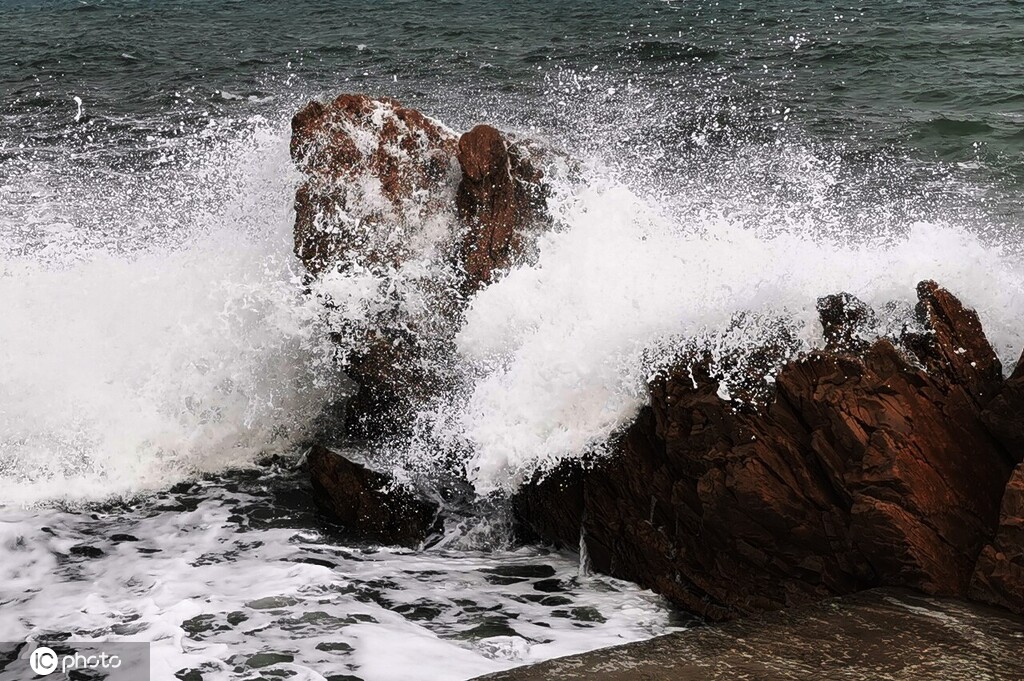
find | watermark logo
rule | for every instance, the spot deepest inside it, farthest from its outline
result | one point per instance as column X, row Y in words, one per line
column 43, row 661
column 66, row 660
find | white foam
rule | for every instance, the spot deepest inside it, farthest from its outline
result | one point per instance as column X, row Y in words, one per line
column 130, row 366
column 561, row 350
column 200, row 563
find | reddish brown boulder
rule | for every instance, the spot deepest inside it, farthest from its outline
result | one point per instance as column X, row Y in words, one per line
column 369, row 505
column 863, row 470
column 999, row 574
column 501, row 202
column 374, row 169
column 384, row 183
column 955, row 346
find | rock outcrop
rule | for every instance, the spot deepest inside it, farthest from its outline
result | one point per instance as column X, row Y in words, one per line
column 374, row 169
column 370, row 506
column 1004, row 414
column 871, row 462
column 871, row 465
column 385, row 184
column 999, row 574
column 500, row 200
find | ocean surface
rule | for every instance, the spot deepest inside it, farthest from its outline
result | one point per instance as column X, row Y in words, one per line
column 717, row 166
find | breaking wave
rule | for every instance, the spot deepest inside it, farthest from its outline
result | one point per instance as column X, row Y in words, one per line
column 148, row 336
column 163, row 330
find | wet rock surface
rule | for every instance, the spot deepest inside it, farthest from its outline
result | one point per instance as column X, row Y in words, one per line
column 874, row 635
column 870, row 466
column 369, row 505
column 1004, row 414
column 500, row 200
column 874, row 461
column 999, row 574
column 385, row 184
column 373, row 168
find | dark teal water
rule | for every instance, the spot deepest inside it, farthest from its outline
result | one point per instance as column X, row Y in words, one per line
column 152, row 327
column 941, row 82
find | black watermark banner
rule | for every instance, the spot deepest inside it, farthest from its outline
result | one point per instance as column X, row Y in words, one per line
column 74, row 661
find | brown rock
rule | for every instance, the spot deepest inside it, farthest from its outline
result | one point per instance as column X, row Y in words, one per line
column 1004, row 414
column 999, row 575
column 369, row 505
column 379, row 176
column 500, row 200
column 845, row 322
column 374, row 169
column 863, row 470
column 956, row 345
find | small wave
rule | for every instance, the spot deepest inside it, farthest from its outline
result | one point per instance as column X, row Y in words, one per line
column 954, row 127
column 655, row 51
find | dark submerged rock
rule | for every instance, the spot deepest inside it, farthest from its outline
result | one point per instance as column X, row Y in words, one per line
column 369, row 505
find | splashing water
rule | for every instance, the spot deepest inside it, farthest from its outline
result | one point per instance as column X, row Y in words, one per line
column 154, row 327
column 168, row 347
column 561, row 350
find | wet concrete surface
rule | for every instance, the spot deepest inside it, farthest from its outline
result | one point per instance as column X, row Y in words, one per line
column 876, row 635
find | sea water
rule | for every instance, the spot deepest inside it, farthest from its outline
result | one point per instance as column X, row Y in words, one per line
column 714, row 168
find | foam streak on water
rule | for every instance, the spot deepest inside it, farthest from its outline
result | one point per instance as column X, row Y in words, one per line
column 235, row 583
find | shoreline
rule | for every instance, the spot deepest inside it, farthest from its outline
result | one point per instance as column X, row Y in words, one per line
column 891, row 634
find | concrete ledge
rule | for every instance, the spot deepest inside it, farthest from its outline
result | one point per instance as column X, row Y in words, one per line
column 876, row 635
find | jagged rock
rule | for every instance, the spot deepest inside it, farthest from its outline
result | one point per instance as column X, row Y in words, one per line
column 846, row 322
column 999, row 574
column 956, row 346
column 374, row 169
column 369, row 505
column 863, row 470
column 382, row 183
column 500, row 200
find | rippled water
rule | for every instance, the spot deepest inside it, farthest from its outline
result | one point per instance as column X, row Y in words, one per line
column 724, row 157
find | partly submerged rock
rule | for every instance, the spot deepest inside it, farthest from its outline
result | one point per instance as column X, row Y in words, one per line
column 384, row 185
column 865, row 469
column 878, row 634
column 370, row 505
column 999, row 574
